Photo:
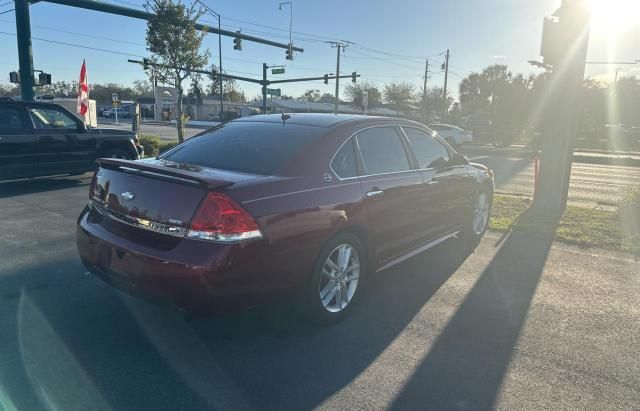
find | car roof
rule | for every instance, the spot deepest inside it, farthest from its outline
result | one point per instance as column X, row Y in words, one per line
column 316, row 119
column 28, row 103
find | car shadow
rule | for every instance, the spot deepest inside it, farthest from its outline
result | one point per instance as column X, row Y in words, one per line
column 71, row 342
column 40, row 185
column 466, row 365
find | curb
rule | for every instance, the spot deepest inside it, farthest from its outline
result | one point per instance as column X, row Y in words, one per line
column 616, row 159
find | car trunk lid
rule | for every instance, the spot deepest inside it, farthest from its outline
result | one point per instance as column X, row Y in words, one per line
column 165, row 194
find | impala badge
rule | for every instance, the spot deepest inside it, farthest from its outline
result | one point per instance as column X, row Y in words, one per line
column 128, row 195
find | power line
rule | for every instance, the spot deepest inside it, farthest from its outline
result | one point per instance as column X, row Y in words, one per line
column 78, row 33
column 77, row 45
column 7, row 11
column 386, row 61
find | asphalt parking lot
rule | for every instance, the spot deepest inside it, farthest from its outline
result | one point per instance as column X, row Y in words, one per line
column 522, row 323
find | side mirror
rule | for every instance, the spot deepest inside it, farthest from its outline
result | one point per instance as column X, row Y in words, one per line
column 459, row 160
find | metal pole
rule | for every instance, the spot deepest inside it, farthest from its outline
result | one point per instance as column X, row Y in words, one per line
column 140, row 14
column 424, row 87
column 564, row 107
column 616, row 78
column 446, row 78
column 220, row 67
column 290, row 29
column 335, row 104
column 264, row 88
column 25, row 54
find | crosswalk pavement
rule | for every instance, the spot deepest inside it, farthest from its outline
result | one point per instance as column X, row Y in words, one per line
column 590, row 184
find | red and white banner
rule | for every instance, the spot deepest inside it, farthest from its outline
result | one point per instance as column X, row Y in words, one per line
column 83, row 91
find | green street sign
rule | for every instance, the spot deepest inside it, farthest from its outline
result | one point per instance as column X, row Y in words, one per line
column 277, row 71
column 273, row 92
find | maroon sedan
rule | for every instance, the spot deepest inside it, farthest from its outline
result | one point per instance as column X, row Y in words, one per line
column 266, row 206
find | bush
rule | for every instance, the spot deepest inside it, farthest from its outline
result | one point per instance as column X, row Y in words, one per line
column 154, row 146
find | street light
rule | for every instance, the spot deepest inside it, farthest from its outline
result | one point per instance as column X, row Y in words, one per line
column 219, row 52
column 290, row 51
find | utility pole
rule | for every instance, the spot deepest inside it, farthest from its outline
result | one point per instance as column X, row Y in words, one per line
column 567, row 30
column 219, row 17
column 424, row 87
column 446, row 78
column 25, row 55
column 264, row 88
column 338, row 46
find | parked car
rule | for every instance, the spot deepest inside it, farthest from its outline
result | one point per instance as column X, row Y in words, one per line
column 40, row 139
column 111, row 112
column 262, row 207
column 453, row 135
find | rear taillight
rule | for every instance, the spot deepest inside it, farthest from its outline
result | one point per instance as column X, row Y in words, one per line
column 92, row 187
column 219, row 219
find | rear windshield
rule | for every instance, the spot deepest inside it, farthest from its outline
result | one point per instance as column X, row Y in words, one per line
column 247, row 147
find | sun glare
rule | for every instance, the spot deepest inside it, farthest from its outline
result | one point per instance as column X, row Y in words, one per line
column 615, row 15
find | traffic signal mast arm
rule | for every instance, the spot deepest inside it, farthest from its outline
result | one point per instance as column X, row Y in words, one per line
column 328, row 77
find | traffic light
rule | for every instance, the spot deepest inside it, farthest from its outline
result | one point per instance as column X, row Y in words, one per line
column 14, row 77
column 353, row 76
column 145, row 63
column 44, row 79
column 443, row 66
column 289, row 52
column 326, row 79
column 237, row 43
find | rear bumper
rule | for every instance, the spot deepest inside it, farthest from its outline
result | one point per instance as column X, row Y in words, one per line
column 192, row 275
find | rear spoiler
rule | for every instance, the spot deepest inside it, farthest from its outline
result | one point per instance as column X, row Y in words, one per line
column 189, row 176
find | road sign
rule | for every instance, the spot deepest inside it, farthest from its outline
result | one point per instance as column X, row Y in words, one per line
column 114, row 96
column 274, row 92
column 277, row 70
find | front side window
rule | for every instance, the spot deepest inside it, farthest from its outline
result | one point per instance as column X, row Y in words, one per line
column 344, row 162
column 10, row 119
column 428, row 151
column 52, row 119
column 382, row 151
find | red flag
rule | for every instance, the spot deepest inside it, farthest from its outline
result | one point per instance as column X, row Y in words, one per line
column 83, row 91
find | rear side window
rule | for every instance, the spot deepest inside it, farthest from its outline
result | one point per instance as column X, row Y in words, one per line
column 10, row 119
column 428, row 151
column 247, row 147
column 382, row 151
column 344, row 162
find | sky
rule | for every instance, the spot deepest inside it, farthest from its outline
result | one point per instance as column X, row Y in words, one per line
column 391, row 40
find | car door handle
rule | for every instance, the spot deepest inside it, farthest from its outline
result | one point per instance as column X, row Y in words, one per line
column 374, row 193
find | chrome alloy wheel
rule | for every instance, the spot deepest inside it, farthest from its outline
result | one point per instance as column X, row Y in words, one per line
column 339, row 279
column 481, row 213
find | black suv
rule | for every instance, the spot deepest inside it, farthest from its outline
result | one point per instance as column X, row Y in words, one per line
column 40, row 139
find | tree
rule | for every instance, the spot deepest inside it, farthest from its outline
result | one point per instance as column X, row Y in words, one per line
column 355, row 91
column 327, row 98
column 9, row 90
column 310, row 95
column 143, row 88
column 60, row 89
column 230, row 89
column 175, row 45
column 432, row 103
column 398, row 94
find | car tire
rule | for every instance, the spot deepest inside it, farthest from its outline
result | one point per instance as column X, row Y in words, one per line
column 330, row 295
column 117, row 153
column 451, row 141
column 478, row 222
